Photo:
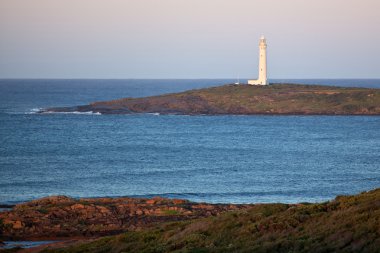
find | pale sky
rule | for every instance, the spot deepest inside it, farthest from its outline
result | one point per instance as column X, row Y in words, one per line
column 188, row 38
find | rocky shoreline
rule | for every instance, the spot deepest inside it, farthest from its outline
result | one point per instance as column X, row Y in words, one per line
column 60, row 217
column 344, row 224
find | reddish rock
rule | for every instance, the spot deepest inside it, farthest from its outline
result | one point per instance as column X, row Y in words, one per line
column 62, row 217
column 77, row 207
column 178, row 201
column 103, row 210
column 159, row 199
column 151, row 201
column 157, row 212
column 17, row 224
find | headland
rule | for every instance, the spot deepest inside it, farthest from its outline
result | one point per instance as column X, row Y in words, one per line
column 240, row 99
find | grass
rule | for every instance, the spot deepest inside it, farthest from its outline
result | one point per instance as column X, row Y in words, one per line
column 43, row 210
column 171, row 212
column 346, row 224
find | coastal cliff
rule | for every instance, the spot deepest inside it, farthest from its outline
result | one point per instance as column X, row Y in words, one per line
column 282, row 99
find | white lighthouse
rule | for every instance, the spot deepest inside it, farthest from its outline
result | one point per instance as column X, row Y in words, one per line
column 262, row 80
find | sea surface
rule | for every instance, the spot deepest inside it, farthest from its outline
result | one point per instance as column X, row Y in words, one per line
column 238, row 159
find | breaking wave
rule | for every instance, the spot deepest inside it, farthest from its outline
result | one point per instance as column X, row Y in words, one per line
column 42, row 111
column 34, row 110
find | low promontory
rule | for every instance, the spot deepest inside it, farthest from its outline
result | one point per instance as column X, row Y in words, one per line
column 345, row 224
column 239, row 99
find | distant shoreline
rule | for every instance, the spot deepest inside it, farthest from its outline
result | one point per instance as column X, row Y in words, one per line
column 239, row 99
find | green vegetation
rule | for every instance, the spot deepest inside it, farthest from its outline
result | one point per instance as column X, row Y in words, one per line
column 171, row 212
column 43, row 210
column 346, row 224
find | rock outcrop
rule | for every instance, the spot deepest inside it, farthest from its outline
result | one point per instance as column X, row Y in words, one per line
column 60, row 216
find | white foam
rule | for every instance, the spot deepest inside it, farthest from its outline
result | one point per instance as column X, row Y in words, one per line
column 87, row 113
column 34, row 110
column 74, row 112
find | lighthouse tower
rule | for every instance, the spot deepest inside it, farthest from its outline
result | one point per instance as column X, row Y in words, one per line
column 262, row 80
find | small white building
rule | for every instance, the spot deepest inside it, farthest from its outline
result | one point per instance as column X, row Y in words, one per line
column 262, row 80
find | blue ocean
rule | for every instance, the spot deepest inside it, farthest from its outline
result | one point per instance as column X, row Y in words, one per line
column 218, row 159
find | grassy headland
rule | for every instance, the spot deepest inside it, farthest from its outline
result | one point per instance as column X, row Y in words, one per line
column 246, row 99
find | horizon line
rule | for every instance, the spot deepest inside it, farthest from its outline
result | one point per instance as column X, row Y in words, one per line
column 170, row 78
